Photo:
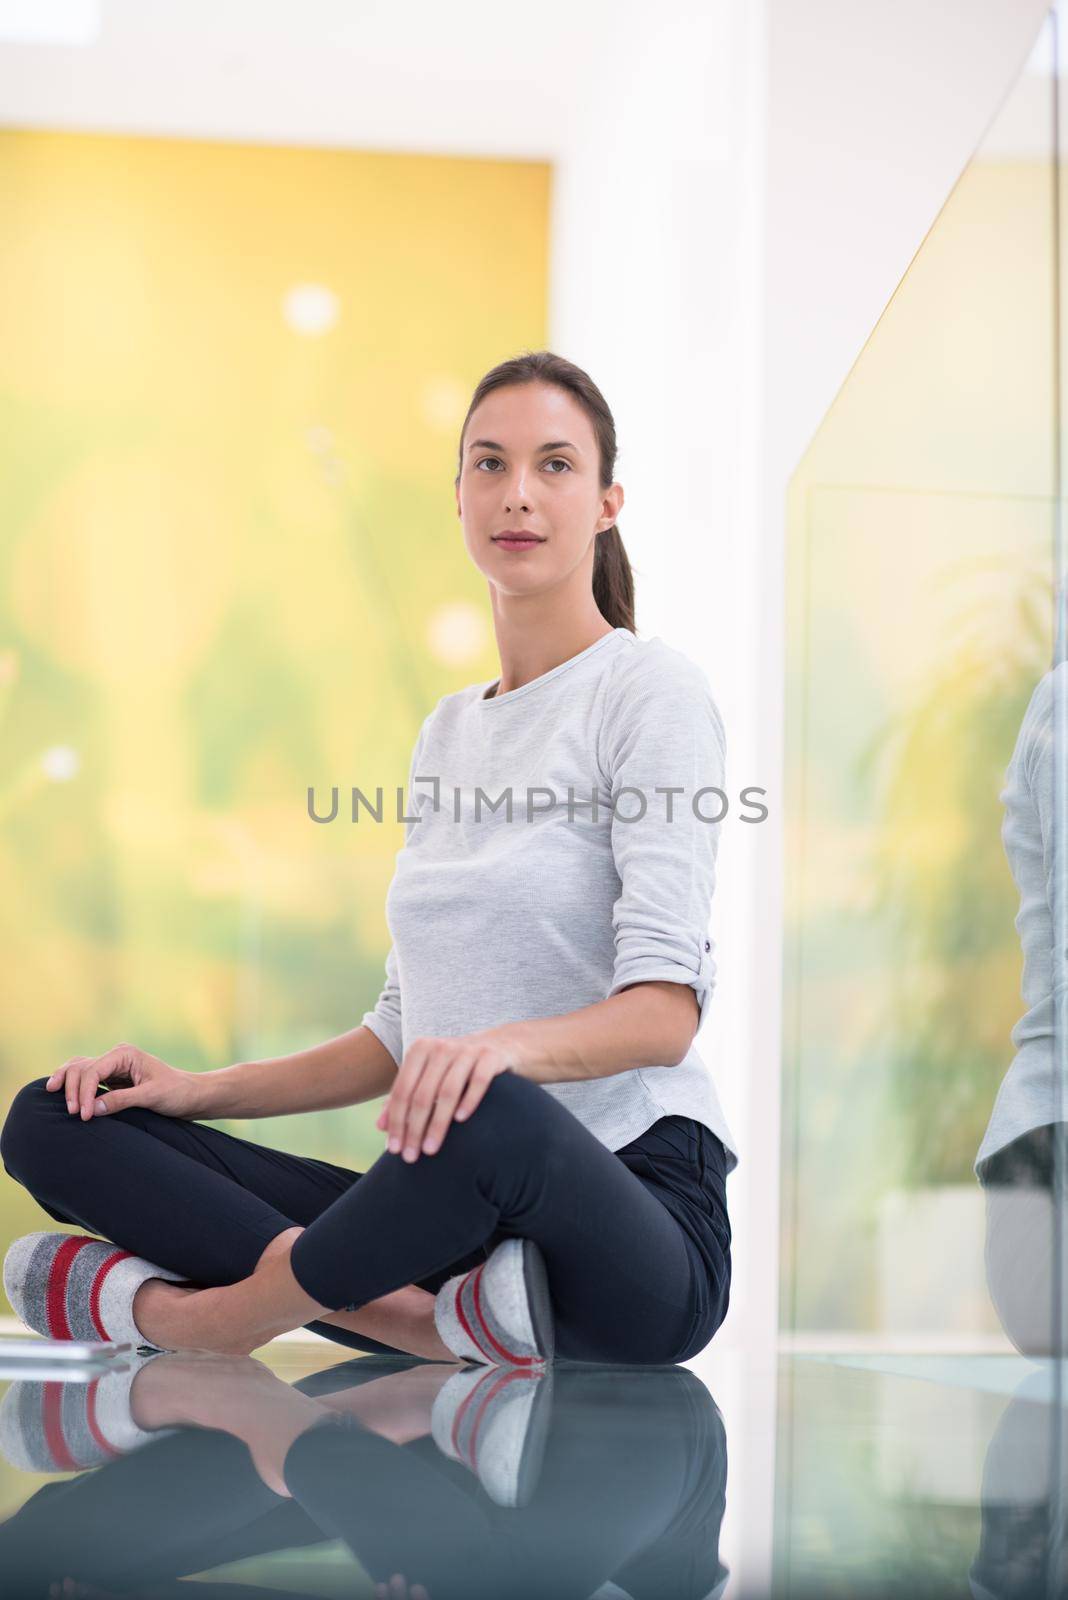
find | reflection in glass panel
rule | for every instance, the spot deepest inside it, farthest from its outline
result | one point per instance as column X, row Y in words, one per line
column 921, row 580
column 375, row 1477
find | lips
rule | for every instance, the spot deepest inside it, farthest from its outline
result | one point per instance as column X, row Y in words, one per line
column 518, row 538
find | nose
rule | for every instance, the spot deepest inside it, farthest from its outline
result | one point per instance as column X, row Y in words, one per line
column 519, row 501
column 517, row 498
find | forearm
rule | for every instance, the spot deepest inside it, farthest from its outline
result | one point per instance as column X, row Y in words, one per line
column 647, row 1025
column 355, row 1066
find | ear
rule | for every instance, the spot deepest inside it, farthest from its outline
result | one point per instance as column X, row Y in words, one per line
column 613, row 505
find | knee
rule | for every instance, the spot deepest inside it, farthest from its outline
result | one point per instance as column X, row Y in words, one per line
column 508, row 1103
column 507, row 1115
column 28, row 1115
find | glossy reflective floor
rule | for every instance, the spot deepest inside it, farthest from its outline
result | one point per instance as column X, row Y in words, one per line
column 308, row 1470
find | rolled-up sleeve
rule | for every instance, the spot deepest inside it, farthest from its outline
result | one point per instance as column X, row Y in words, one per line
column 385, row 1019
column 665, row 732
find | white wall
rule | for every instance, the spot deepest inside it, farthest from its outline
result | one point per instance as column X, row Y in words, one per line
column 370, row 74
column 654, row 289
column 874, row 110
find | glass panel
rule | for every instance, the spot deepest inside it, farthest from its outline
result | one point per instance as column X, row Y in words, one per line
column 922, row 563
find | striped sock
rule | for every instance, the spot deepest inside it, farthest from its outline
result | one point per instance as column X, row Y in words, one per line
column 67, row 1425
column 499, row 1312
column 70, row 1286
column 496, row 1422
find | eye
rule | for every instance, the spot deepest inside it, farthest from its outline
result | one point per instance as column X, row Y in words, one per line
column 561, row 459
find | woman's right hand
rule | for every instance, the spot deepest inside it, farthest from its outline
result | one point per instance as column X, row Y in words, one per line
column 140, row 1079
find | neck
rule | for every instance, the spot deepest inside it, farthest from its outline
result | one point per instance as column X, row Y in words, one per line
column 526, row 658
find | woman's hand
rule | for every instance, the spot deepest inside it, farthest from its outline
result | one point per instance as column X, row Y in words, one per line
column 145, row 1080
column 439, row 1079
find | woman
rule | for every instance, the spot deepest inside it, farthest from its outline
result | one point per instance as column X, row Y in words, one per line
column 554, row 1183
column 1017, row 1160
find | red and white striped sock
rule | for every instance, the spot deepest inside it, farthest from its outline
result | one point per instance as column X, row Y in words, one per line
column 71, row 1286
column 499, row 1312
column 66, row 1425
column 495, row 1420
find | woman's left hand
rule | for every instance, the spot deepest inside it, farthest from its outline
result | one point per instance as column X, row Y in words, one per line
column 439, row 1079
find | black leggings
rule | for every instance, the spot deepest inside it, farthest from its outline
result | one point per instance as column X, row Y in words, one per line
column 636, row 1241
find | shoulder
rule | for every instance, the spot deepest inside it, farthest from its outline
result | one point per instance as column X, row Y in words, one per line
column 1049, row 693
column 1035, row 743
column 651, row 670
column 1053, row 683
column 656, row 686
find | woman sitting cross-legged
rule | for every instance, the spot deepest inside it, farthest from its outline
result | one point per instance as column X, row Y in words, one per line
column 554, row 1182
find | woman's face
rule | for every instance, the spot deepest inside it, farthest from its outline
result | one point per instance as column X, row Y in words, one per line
column 530, row 465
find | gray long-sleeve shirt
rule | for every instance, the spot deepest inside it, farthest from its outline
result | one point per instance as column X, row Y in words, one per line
column 1032, row 1092
column 497, row 918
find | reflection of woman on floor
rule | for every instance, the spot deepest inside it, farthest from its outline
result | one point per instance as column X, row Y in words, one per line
column 550, row 970
column 628, row 1485
column 1022, row 1547
column 1015, row 1162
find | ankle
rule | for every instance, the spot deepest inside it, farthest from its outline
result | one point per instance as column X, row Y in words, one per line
column 151, row 1298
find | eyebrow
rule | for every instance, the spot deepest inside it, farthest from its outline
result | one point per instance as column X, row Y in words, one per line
column 554, row 444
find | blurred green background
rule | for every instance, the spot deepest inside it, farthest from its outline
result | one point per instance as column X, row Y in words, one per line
column 232, row 388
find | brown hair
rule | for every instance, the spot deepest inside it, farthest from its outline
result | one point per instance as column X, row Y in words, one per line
column 613, row 582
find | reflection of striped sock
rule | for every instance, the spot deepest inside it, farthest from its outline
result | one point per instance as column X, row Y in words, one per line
column 66, row 1425
column 499, row 1312
column 496, row 1422
column 69, row 1286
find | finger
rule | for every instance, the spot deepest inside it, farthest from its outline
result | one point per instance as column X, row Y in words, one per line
column 424, row 1099
column 415, row 1108
column 57, row 1079
column 87, row 1091
column 407, row 1077
column 115, row 1100
column 71, row 1082
column 450, row 1089
column 115, row 1062
column 476, row 1087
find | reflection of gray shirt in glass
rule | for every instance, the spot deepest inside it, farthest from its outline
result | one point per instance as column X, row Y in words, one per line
column 496, row 920
column 1029, row 1096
